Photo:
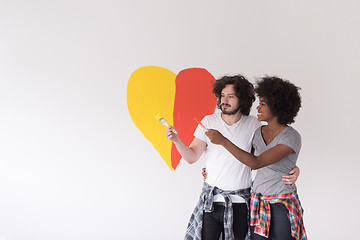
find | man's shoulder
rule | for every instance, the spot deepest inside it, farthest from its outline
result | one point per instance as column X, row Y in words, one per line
column 250, row 119
column 212, row 117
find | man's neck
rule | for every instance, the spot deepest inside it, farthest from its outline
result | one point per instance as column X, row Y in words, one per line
column 231, row 119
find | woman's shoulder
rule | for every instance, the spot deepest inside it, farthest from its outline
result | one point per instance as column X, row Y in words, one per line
column 292, row 132
column 291, row 138
column 258, row 131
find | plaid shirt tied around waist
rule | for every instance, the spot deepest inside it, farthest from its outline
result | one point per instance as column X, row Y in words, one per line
column 194, row 229
column 260, row 213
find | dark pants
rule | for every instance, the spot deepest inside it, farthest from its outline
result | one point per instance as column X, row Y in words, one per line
column 280, row 228
column 213, row 224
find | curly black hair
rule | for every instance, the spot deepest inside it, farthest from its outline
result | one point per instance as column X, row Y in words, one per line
column 243, row 88
column 283, row 97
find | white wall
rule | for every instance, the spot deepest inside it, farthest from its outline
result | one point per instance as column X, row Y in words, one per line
column 73, row 165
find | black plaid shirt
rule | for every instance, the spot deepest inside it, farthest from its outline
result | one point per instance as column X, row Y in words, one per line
column 194, row 229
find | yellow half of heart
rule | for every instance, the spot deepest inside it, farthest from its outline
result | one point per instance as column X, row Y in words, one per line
column 151, row 91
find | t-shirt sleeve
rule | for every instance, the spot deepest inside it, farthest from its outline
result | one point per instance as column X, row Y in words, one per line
column 255, row 129
column 254, row 138
column 292, row 139
column 200, row 131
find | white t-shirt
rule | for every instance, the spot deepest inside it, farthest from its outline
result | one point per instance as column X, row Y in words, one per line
column 224, row 170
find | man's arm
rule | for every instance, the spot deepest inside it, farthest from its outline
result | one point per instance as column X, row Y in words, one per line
column 287, row 179
column 190, row 154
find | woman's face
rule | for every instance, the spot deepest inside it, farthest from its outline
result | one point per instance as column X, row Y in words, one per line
column 264, row 113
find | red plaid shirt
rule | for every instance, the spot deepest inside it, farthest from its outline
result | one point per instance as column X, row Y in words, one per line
column 260, row 213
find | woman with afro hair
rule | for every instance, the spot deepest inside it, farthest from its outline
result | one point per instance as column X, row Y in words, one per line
column 275, row 209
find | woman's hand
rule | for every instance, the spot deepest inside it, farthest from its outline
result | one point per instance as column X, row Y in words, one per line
column 215, row 136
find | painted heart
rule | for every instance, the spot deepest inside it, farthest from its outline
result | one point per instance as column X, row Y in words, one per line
column 177, row 98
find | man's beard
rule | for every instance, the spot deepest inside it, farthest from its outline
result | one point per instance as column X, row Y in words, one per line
column 229, row 112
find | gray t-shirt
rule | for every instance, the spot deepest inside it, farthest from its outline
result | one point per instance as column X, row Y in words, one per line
column 268, row 179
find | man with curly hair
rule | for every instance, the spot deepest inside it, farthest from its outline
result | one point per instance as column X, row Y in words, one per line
column 276, row 212
column 223, row 205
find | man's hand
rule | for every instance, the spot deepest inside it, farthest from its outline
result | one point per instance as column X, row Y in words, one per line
column 292, row 177
column 169, row 133
column 204, row 173
column 215, row 136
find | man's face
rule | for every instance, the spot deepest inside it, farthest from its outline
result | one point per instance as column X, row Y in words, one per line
column 229, row 101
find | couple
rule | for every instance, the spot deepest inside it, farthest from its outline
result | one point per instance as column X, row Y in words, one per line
column 233, row 143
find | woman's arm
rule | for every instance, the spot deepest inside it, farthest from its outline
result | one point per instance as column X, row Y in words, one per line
column 268, row 157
